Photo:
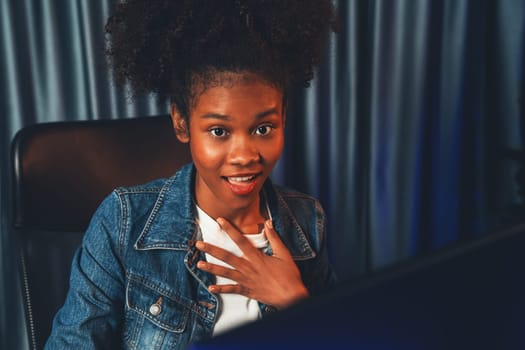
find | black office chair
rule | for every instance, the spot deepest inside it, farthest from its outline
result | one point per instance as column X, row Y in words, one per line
column 61, row 172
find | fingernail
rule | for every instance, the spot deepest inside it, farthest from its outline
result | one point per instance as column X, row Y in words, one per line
column 220, row 221
column 212, row 289
column 201, row 264
column 269, row 224
column 199, row 245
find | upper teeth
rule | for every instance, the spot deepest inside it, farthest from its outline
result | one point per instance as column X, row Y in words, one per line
column 241, row 179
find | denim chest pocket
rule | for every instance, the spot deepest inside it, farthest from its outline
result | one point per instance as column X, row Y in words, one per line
column 154, row 319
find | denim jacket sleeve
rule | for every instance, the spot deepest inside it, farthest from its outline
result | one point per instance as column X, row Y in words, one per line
column 301, row 222
column 320, row 276
column 93, row 310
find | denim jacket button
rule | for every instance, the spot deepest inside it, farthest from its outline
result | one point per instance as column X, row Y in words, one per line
column 155, row 309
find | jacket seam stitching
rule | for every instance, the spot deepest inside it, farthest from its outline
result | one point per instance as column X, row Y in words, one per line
column 122, row 226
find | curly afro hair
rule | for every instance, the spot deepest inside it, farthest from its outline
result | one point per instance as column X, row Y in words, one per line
column 168, row 46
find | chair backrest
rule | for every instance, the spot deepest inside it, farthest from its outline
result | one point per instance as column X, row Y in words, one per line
column 61, row 172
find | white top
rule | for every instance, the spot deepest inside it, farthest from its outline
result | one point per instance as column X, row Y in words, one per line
column 233, row 310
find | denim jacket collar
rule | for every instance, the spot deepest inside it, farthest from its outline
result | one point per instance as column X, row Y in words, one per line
column 171, row 223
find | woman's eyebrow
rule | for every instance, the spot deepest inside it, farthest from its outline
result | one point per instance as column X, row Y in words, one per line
column 227, row 117
column 215, row 116
column 266, row 113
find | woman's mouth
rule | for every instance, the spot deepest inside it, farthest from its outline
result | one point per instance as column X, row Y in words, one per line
column 241, row 185
column 237, row 179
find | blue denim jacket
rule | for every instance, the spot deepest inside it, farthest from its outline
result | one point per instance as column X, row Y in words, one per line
column 134, row 282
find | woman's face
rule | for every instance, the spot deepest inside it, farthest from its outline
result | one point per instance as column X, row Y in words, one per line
column 236, row 135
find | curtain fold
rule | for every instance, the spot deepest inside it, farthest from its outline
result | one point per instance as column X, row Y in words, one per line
column 411, row 134
column 404, row 134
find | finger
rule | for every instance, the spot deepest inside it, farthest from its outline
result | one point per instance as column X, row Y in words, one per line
column 238, row 238
column 219, row 253
column 218, row 270
column 278, row 247
column 229, row 289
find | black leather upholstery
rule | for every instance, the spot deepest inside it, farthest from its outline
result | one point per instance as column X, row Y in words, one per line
column 62, row 171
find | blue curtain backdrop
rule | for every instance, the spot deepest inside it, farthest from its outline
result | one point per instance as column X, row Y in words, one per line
column 404, row 134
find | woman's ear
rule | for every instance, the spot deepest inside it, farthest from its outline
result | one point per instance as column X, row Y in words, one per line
column 179, row 125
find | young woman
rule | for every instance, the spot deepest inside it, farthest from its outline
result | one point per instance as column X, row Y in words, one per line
column 217, row 245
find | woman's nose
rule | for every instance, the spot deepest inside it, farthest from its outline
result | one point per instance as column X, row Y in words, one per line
column 243, row 152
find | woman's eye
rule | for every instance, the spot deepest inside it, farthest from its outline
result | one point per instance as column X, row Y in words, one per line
column 218, row 132
column 263, row 130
